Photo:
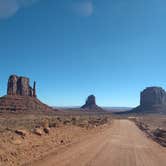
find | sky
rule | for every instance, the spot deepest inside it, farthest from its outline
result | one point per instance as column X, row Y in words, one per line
column 73, row 48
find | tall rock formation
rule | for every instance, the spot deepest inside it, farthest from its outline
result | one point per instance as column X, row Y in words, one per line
column 34, row 89
column 20, row 86
column 152, row 96
column 90, row 104
column 152, row 100
column 91, row 100
column 21, row 97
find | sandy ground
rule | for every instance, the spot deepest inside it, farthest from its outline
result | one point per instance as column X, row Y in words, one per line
column 16, row 151
column 56, row 133
column 121, row 144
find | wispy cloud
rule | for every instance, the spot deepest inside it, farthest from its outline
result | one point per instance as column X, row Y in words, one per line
column 83, row 8
column 10, row 7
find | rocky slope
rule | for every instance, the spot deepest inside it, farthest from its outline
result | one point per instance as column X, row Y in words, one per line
column 22, row 103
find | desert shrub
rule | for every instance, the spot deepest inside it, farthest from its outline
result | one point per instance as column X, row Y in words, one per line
column 66, row 122
column 74, row 121
column 59, row 119
column 82, row 123
column 160, row 133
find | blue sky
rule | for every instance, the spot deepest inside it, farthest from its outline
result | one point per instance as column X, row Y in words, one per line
column 72, row 48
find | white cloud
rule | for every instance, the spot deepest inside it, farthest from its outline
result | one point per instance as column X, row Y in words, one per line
column 9, row 7
column 83, row 8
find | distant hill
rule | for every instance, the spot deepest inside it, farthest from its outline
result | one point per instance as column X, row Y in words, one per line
column 117, row 109
column 109, row 109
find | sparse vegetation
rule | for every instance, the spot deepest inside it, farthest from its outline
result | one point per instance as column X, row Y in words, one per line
column 30, row 121
column 154, row 126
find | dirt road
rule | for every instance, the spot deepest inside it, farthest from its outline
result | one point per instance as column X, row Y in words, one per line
column 122, row 144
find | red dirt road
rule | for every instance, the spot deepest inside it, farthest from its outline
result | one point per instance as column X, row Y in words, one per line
column 121, row 144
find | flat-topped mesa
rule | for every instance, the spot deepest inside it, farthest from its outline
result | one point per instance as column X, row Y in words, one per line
column 20, row 86
column 91, row 104
column 153, row 96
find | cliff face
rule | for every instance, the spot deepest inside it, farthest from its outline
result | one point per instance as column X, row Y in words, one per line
column 152, row 96
column 152, row 100
column 20, row 86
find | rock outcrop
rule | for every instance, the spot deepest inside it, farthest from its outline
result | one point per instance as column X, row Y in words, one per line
column 91, row 100
column 152, row 96
column 20, row 86
column 21, row 97
column 90, row 104
column 152, row 100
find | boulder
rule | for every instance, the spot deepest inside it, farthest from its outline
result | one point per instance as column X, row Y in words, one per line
column 21, row 132
column 46, row 130
column 160, row 133
column 38, row 131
